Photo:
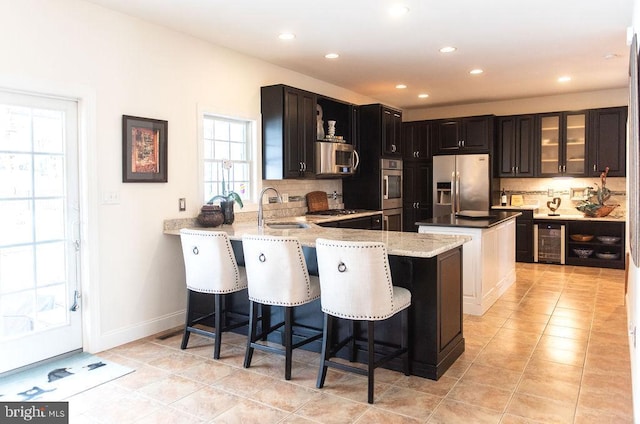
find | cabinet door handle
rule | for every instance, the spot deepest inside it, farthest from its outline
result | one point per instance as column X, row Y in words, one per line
column 462, row 143
column 393, row 148
column 517, row 170
column 417, row 205
column 418, row 154
column 594, row 167
column 564, row 168
column 559, row 169
column 513, row 169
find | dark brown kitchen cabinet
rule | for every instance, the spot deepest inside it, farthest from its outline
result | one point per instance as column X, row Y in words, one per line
column 561, row 143
column 416, row 140
column 289, row 132
column 605, row 248
column 607, row 141
column 416, row 173
column 524, row 235
column 515, row 146
column 464, row 135
column 380, row 124
column 373, row 222
column 416, row 190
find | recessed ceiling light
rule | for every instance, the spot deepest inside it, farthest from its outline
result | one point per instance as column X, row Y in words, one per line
column 401, row 86
column 332, row 55
column 423, row 95
column 286, row 36
column 398, row 10
column 448, row 49
column 476, row 71
column 564, row 79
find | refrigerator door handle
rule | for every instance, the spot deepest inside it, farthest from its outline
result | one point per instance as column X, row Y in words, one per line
column 453, row 192
column 457, row 192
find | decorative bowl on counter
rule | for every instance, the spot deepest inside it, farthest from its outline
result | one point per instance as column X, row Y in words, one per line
column 608, row 239
column 583, row 253
column 581, row 237
column 608, row 255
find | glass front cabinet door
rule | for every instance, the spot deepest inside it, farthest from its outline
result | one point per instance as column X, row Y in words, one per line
column 562, row 146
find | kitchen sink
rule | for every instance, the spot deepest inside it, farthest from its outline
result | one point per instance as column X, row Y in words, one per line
column 287, row 225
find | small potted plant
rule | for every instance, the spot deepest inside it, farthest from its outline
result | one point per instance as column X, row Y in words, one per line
column 227, row 198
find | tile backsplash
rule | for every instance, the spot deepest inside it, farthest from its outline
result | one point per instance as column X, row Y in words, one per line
column 295, row 191
column 541, row 190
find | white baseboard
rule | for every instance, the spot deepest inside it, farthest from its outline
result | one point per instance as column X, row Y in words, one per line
column 144, row 329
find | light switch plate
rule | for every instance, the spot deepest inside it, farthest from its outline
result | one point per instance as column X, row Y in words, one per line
column 182, row 204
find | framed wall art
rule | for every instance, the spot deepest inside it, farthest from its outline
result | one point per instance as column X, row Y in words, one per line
column 144, row 150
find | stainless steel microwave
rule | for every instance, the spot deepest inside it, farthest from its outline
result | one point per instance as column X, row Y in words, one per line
column 335, row 159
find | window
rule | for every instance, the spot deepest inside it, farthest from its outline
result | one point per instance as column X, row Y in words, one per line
column 227, row 156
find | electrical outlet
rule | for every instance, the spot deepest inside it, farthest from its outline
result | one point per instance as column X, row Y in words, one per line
column 182, row 204
column 550, row 192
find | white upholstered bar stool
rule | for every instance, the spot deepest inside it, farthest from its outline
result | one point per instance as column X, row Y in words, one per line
column 356, row 285
column 277, row 275
column 211, row 268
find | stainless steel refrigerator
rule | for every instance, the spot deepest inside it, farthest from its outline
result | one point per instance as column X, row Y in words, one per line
column 461, row 183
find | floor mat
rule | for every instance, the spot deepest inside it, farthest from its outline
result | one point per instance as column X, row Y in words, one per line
column 60, row 379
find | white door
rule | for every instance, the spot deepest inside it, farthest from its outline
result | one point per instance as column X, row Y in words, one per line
column 39, row 229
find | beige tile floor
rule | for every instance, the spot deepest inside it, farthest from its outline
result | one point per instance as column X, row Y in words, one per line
column 553, row 349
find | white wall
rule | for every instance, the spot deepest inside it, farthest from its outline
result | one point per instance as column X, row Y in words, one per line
column 133, row 274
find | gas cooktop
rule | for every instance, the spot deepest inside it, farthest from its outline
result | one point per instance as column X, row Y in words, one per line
column 334, row 212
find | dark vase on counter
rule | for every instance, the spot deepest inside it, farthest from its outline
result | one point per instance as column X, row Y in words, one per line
column 210, row 216
column 227, row 210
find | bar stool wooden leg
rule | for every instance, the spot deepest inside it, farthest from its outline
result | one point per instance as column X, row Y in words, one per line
column 288, row 342
column 371, row 360
column 187, row 333
column 324, row 353
column 253, row 324
column 355, row 328
column 218, row 324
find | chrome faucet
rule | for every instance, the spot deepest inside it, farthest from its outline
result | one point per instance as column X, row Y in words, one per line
column 260, row 218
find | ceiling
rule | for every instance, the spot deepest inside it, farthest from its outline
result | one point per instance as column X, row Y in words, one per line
column 523, row 46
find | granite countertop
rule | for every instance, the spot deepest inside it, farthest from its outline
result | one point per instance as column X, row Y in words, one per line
column 523, row 207
column 319, row 219
column 398, row 243
column 575, row 217
column 453, row 221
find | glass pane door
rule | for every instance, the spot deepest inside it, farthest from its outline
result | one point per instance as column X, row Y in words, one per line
column 38, row 229
column 575, row 144
column 550, row 145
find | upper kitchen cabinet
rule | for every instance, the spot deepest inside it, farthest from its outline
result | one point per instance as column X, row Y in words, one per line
column 380, row 126
column 289, row 132
column 607, row 140
column 515, row 146
column 464, row 135
column 562, row 144
column 416, row 141
column 343, row 114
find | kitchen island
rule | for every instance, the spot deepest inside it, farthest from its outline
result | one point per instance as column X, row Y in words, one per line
column 429, row 265
column 489, row 265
